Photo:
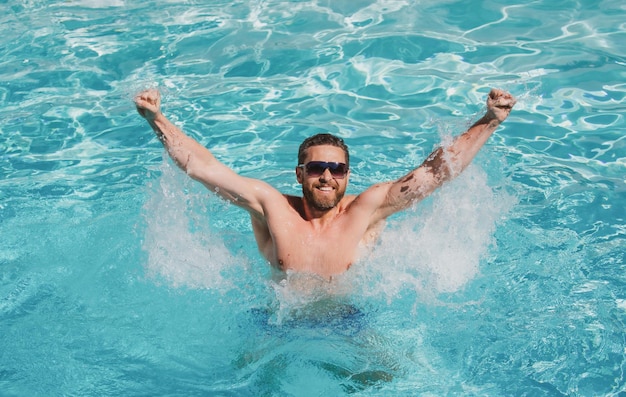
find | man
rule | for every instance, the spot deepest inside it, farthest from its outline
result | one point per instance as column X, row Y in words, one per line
column 323, row 231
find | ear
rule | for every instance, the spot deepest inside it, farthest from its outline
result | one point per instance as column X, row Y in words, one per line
column 299, row 174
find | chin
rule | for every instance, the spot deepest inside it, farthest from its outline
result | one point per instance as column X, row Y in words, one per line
column 322, row 203
column 327, row 203
column 323, row 206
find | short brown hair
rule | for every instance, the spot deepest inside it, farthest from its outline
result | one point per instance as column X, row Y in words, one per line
column 322, row 139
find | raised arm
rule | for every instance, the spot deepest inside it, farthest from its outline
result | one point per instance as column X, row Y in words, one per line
column 442, row 165
column 198, row 162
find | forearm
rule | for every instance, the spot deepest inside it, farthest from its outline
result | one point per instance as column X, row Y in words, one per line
column 462, row 151
column 458, row 155
column 196, row 160
column 186, row 152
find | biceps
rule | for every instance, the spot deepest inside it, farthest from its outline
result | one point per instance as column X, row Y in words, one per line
column 246, row 193
column 391, row 197
column 416, row 185
column 374, row 203
column 409, row 189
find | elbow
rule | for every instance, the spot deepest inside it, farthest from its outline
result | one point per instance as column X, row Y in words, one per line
column 452, row 165
column 194, row 172
column 193, row 169
column 443, row 165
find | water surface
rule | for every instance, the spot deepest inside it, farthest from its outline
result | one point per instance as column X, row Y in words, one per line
column 119, row 276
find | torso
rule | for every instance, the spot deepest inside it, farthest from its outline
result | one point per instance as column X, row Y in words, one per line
column 290, row 242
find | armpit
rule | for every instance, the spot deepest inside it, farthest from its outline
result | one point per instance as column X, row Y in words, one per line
column 372, row 235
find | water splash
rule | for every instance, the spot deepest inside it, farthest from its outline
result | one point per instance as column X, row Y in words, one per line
column 302, row 295
column 182, row 249
column 434, row 248
column 437, row 247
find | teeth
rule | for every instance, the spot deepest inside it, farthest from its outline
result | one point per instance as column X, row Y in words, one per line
column 326, row 188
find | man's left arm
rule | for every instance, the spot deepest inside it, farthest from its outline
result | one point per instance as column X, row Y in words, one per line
column 442, row 165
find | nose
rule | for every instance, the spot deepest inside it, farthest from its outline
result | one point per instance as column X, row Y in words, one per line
column 326, row 175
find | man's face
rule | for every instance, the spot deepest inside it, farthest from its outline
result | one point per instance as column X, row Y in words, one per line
column 324, row 191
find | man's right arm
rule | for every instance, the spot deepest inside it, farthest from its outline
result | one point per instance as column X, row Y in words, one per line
column 198, row 162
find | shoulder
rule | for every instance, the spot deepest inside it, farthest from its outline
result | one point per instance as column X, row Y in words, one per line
column 294, row 201
column 264, row 190
column 372, row 204
column 374, row 196
column 348, row 199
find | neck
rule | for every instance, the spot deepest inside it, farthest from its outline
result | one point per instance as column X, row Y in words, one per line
column 316, row 215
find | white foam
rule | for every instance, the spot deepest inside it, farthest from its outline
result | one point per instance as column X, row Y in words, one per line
column 302, row 291
column 181, row 247
column 438, row 247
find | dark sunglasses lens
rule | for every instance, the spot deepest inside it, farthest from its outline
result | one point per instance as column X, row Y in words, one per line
column 317, row 168
column 338, row 170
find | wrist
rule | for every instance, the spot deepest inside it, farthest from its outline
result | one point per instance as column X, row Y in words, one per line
column 489, row 120
column 156, row 119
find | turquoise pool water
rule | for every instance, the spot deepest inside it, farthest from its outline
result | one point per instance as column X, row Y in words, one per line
column 119, row 276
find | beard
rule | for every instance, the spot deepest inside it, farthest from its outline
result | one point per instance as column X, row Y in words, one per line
column 321, row 204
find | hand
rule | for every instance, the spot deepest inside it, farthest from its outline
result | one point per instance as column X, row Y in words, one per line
column 499, row 104
column 148, row 103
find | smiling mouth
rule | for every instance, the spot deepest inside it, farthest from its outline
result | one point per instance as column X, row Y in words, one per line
column 326, row 188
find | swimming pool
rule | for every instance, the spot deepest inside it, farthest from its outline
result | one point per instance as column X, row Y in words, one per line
column 119, row 276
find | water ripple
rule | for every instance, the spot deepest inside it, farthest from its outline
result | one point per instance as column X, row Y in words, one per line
column 535, row 229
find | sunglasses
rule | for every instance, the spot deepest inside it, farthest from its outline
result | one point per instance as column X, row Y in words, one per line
column 317, row 168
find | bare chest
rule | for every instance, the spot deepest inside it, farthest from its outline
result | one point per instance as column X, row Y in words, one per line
column 325, row 251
